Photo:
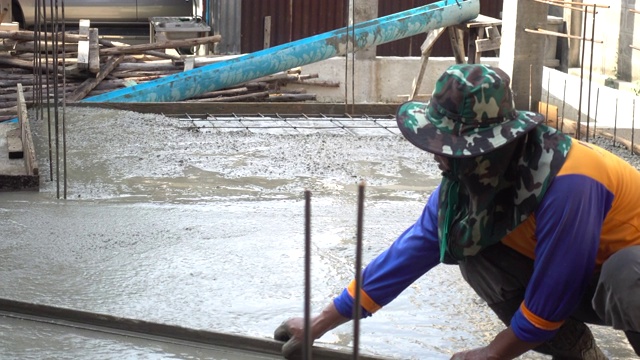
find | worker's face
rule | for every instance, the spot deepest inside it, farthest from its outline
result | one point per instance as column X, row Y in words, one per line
column 455, row 167
column 443, row 162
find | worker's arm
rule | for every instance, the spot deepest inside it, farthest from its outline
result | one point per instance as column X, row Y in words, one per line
column 505, row 345
column 410, row 256
column 292, row 330
column 568, row 228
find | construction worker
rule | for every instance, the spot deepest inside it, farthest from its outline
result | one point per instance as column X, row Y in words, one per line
column 544, row 228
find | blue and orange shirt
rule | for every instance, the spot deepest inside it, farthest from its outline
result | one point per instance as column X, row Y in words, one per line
column 590, row 211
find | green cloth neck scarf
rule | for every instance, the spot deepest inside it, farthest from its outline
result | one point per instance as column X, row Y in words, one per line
column 484, row 198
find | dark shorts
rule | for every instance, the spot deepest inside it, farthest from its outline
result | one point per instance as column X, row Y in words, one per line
column 500, row 275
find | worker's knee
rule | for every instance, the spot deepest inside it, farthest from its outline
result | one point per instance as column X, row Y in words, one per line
column 617, row 296
column 498, row 274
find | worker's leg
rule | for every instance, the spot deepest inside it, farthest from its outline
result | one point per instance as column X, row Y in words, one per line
column 617, row 297
column 499, row 275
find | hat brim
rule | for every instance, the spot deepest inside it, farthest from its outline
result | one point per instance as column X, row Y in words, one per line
column 417, row 127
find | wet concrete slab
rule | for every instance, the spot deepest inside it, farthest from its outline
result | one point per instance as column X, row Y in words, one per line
column 204, row 229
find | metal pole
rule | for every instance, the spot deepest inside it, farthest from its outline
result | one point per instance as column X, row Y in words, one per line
column 48, row 100
column 595, row 116
column 353, row 56
column 307, row 276
column 615, row 123
column 546, row 116
column 584, row 35
column 64, row 100
column 54, row 31
column 593, row 34
column 346, row 59
column 564, row 102
column 356, row 306
column 633, row 124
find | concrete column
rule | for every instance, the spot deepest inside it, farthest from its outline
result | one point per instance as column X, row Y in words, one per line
column 573, row 19
column 364, row 10
column 522, row 53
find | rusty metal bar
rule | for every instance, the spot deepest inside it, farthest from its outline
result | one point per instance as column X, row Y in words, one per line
column 308, row 341
column 357, row 311
column 593, row 34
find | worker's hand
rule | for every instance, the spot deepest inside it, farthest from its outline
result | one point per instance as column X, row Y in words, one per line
column 292, row 332
column 474, row 354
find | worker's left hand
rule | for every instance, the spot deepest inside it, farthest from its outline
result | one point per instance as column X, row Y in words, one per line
column 292, row 333
column 474, row 354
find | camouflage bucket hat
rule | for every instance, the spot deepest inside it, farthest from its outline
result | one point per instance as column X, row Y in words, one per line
column 470, row 113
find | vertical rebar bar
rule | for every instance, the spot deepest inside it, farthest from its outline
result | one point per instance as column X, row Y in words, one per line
column 353, row 56
column 633, row 124
column 615, row 123
column 358, row 270
column 36, row 50
column 56, row 79
column 595, row 115
column 584, row 36
column 564, row 102
column 48, row 93
column 346, row 59
column 64, row 99
column 593, row 35
column 307, row 276
column 546, row 115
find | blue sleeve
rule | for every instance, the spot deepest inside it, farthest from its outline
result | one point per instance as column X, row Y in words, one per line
column 414, row 253
column 568, row 226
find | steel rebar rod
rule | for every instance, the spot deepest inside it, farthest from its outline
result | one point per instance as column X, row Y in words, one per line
column 308, row 341
column 64, row 101
column 564, row 102
column 584, row 35
column 615, row 123
column 357, row 312
column 633, row 123
column 593, row 34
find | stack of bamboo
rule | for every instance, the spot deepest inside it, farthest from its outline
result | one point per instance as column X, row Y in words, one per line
column 50, row 67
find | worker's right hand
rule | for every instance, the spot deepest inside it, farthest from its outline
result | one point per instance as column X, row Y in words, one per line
column 291, row 332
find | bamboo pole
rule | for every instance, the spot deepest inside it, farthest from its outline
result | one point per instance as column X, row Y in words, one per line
column 161, row 45
column 90, row 84
column 26, row 35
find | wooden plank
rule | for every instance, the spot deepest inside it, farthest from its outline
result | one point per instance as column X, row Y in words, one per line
column 14, row 144
column 84, row 45
column 13, row 26
column 267, row 32
column 83, row 55
column 426, row 48
column 146, row 329
column 193, row 108
column 94, row 51
column 27, row 140
column 189, row 63
column 456, row 36
column 481, row 21
column 488, row 44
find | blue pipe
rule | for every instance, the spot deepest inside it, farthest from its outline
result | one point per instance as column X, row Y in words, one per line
column 305, row 51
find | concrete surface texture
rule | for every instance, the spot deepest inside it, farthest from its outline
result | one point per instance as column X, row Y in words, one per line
column 171, row 222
